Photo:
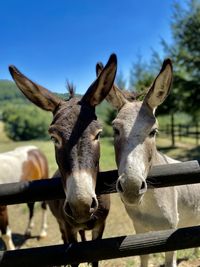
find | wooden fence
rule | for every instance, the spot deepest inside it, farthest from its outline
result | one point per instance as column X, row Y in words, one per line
column 159, row 241
column 182, row 130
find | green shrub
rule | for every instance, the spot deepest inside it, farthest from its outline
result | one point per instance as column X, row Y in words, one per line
column 25, row 122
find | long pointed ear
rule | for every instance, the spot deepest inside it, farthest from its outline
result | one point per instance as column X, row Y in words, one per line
column 99, row 89
column 37, row 94
column 115, row 97
column 161, row 86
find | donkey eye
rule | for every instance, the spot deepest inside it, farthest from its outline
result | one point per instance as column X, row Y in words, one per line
column 153, row 132
column 97, row 136
column 55, row 140
column 116, row 131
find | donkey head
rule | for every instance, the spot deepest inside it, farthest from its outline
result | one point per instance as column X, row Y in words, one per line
column 135, row 128
column 75, row 132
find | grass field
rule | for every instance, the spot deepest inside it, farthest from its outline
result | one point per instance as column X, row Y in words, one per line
column 118, row 222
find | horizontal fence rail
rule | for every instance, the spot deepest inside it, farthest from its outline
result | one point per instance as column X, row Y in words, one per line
column 109, row 248
column 48, row 189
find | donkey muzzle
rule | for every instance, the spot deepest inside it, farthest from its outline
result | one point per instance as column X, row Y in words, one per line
column 131, row 189
column 81, row 211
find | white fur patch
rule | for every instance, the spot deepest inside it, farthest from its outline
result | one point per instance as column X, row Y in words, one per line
column 11, row 164
column 132, row 163
column 80, row 186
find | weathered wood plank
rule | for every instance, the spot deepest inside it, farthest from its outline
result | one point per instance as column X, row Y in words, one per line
column 160, row 176
column 48, row 189
column 103, row 249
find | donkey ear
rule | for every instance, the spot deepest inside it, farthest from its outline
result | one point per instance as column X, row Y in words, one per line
column 37, row 94
column 99, row 68
column 99, row 89
column 115, row 96
column 161, row 86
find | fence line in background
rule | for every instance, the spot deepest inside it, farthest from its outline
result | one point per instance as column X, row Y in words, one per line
column 182, row 130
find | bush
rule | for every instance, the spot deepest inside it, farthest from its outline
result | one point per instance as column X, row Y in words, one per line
column 25, row 122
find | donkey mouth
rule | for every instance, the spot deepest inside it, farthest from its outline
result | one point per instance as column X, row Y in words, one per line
column 81, row 219
column 77, row 218
column 131, row 200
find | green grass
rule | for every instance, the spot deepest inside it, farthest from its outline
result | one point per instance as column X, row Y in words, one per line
column 179, row 118
column 186, row 149
column 107, row 160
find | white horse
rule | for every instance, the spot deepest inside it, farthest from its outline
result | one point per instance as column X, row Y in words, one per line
column 20, row 164
column 135, row 128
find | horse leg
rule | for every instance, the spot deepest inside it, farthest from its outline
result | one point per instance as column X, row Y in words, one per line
column 71, row 237
column 82, row 234
column 43, row 232
column 5, row 230
column 144, row 259
column 170, row 259
column 68, row 236
column 30, row 222
column 196, row 251
column 97, row 233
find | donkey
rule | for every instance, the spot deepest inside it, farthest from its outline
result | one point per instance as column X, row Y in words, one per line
column 135, row 128
column 75, row 132
column 22, row 163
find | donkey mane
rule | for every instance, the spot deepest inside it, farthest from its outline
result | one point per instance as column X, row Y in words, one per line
column 71, row 88
column 133, row 96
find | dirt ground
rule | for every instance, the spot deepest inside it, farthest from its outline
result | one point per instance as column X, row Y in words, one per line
column 118, row 224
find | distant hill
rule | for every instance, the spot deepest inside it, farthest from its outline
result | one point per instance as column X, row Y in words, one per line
column 10, row 92
column 11, row 95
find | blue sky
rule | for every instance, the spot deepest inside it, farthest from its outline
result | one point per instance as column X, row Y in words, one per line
column 51, row 41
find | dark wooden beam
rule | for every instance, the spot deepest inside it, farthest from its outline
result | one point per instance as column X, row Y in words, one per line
column 48, row 189
column 109, row 248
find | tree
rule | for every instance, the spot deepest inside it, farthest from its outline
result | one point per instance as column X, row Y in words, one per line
column 141, row 76
column 120, row 81
column 25, row 122
column 185, row 52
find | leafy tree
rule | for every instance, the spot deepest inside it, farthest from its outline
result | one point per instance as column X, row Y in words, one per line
column 25, row 122
column 185, row 52
column 141, row 76
column 121, row 81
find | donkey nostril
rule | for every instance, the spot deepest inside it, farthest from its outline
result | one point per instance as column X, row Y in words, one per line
column 68, row 210
column 143, row 188
column 93, row 205
column 143, row 185
column 119, row 187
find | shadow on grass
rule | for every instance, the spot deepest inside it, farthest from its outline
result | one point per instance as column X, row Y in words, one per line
column 178, row 261
column 193, row 153
column 186, row 153
column 18, row 239
column 166, row 148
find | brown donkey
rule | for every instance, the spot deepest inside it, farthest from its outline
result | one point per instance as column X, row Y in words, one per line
column 135, row 128
column 75, row 132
